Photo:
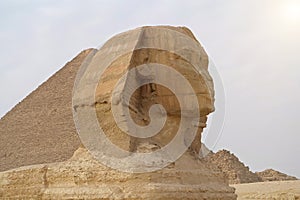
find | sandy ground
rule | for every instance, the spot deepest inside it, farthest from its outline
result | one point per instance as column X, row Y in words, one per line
column 269, row 190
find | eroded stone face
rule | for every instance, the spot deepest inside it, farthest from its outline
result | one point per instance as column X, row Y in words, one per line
column 150, row 94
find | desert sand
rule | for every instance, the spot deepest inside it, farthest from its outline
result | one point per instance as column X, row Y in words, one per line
column 268, row 190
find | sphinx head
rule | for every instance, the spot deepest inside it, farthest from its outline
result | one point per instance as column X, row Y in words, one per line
column 150, row 91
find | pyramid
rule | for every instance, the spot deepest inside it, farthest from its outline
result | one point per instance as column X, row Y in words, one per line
column 273, row 175
column 232, row 167
column 40, row 129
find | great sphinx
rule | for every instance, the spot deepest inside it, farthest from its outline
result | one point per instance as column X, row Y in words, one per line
column 149, row 92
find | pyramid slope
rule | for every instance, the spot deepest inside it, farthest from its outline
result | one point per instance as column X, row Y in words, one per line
column 40, row 129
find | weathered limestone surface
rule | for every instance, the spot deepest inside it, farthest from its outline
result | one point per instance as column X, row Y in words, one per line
column 82, row 177
column 150, row 94
column 52, row 135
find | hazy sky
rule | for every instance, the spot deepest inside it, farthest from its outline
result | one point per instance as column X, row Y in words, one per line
column 254, row 43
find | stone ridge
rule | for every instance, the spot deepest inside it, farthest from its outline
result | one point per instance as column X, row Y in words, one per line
column 232, row 167
column 40, row 129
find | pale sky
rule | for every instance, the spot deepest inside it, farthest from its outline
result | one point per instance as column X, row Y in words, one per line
column 255, row 45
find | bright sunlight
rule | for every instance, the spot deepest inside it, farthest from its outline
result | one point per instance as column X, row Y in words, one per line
column 291, row 10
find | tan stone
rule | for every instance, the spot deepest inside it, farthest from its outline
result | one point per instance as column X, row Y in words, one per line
column 82, row 177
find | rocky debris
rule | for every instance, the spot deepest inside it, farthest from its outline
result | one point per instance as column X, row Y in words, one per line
column 273, row 175
column 40, row 130
column 232, row 167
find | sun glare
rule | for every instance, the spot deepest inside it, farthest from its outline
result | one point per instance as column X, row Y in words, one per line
column 291, row 10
